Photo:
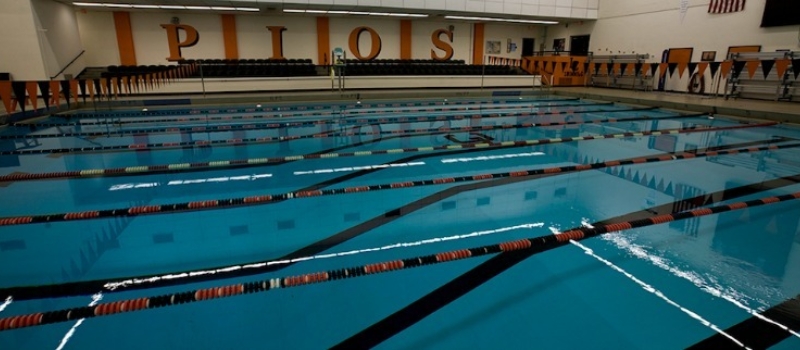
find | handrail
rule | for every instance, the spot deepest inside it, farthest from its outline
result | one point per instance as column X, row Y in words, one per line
column 68, row 64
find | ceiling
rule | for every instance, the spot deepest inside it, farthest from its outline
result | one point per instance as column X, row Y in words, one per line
column 276, row 8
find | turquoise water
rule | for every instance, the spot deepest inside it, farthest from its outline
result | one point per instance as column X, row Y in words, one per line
column 716, row 268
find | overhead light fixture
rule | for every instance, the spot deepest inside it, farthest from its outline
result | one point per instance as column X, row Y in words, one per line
column 165, row 7
column 509, row 20
column 420, row 15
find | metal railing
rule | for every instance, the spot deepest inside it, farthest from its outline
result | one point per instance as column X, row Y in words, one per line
column 68, row 64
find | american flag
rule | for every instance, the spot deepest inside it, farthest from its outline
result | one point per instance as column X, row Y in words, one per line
column 725, row 6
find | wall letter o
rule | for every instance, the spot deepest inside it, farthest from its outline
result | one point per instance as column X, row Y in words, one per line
column 375, row 50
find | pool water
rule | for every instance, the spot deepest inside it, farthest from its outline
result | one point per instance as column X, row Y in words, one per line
column 664, row 286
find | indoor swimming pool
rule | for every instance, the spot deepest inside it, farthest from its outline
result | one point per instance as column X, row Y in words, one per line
column 399, row 224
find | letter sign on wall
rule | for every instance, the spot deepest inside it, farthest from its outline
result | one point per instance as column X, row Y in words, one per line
column 442, row 45
column 376, row 43
column 277, row 41
column 172, row 39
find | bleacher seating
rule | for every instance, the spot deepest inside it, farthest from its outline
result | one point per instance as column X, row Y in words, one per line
column 423, row 67
column 227, row 68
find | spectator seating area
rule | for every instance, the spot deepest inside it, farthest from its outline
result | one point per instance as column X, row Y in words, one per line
column 227, row 68
column 219, row 68
column 423, row 67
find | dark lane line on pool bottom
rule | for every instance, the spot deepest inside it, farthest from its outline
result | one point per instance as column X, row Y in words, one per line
column 532, row 245
column 418, row 310
column 91, row 287
column 757, row 333
column 269, row 198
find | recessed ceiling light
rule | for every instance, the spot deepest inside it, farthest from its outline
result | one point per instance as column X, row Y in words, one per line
column 87, row 4
column 509, row 20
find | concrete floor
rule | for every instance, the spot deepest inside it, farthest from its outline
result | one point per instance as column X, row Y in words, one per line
column 788, row 112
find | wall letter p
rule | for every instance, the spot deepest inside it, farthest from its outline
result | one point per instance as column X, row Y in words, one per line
column 173, row 35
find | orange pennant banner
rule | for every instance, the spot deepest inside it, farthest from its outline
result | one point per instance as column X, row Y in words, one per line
column 33, row 93
column 752, row 67
column 5, row 95
column 55, row 92
column 701, row 68
column 682, row 68
column 782, row 65
column 73, row 87
column 725, row 68
column 662, row 69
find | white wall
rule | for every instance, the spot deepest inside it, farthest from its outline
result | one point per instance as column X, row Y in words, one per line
column 421, row 44
column 387, row 28
column 150, row 40
column 20, row 52
column 255, row 41
column 60, row 38
column 515, row 32
column 98, row 38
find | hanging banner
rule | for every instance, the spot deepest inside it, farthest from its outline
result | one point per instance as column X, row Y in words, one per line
column 766, row 67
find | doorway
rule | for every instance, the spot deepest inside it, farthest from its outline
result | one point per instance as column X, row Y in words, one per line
column 528, row 46
column 579, row 45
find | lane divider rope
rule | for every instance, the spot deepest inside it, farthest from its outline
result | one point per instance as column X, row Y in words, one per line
column 251, row 162
column 265, row 199
column 302, row 107
column 324, row 134
column 284, row 125
column 537, row 244
column 280, row 114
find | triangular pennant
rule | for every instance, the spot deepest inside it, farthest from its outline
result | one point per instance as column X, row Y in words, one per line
column 668, row 190
column 692, row 67
column 782, row 65
column 671, row 67
column 18, row 87
column 623, row 68
column 738, row 66
column 56, row 94
column 44, row 87
column 73, row 85
column 629, row 175
column 616, row 69
column 91, row 87
column 653, row 69
column 84, row 89
column 609, row 68
column 714, row 68
column 652, row 184
column 636, row 178
column 725, row 68
column 597, row 67
column 5, row 95
column 97, row 84
column 33, row 94
column 752, row 67
column 127, row 84
column 637, row 69
column 662, row 69
column 117, row 83
column 67, row 89
column 644, row 180
column 796, row 67
column 766, row 67
column 701, row 68
column 681, row 68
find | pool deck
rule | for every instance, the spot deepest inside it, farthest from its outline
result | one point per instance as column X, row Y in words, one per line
column 786, row 112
